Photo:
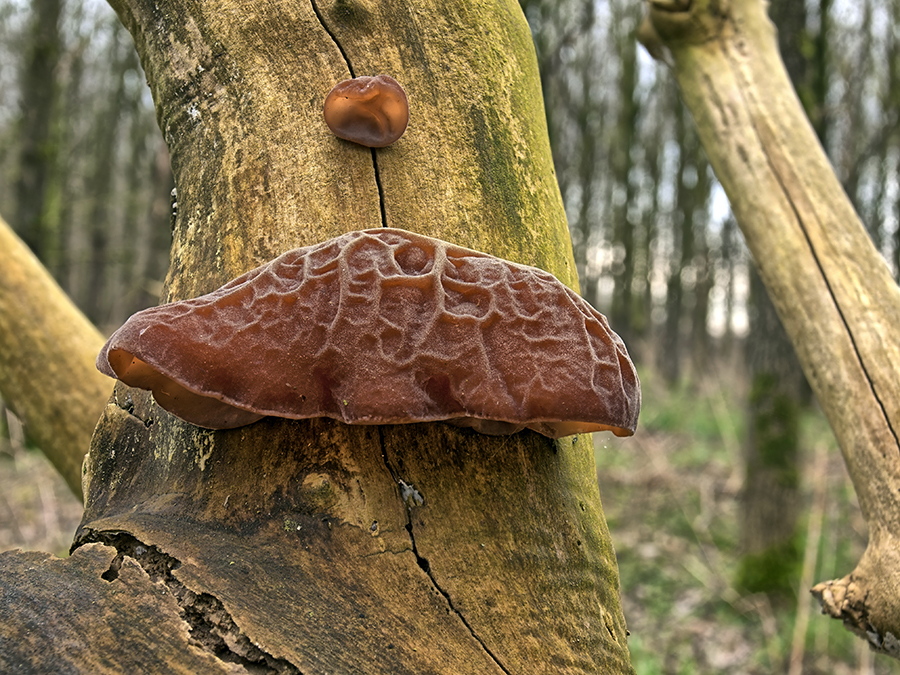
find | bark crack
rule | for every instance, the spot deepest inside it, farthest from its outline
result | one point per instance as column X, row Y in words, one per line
column 381, row 206
column 210, row 626
column 777, row 173
column 413, row 499
column 346, row 57
column 321, row 18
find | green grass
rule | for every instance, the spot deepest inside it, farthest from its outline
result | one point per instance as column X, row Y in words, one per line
column 671, row 495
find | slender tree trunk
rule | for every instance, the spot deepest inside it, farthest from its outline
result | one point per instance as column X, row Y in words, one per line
column 700, row 338
column 731, row 252
column 771, row 499
column 34, row 215
column 770, row 545
column 153, row 236
column 669, row 356
column 135, row 234
column 672, row 357
column 290, row 543
column 588, row 131
column 72, row 236
column 815, row 107
column 698, row 262
column 650, row 227
column 622, row 163
column 102, row 228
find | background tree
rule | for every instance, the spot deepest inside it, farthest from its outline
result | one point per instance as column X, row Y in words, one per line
column 40, row 121
column 87, row 171
column 770, row 528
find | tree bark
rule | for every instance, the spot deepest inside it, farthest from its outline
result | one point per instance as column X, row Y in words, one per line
column 47, row 351
column 832, row 290
column 141, row 623
column 313, row 546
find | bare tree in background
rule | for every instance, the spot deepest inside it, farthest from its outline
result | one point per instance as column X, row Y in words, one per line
column 91, row 180
column 38, row 186
column 770, row 538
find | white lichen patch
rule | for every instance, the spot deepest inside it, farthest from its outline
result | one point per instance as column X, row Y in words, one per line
column 205, row 447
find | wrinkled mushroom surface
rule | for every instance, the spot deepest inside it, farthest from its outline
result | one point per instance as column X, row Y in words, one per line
column 369, row 110
column 384, row 326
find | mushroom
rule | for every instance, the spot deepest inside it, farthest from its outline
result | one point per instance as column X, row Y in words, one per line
column 384, row 326
column 371, row 111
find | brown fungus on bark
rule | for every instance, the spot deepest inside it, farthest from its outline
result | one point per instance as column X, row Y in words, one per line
column 371, row 111
column 384, row 326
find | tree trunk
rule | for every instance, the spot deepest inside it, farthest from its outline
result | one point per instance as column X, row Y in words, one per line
column 691, row 194
column 102, row 228
column 36, row 214
column 47, row 350
column 770, row 546
column 291, row 543
column 587, row 129
column 832, row 290
column 771, row 550
column 621, row 163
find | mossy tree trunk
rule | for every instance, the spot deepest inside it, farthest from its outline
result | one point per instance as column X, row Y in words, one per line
column 771, row 545
column 312, row 546
column 831, row 288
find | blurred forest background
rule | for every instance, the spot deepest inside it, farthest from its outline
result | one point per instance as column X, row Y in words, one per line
column 731, row 500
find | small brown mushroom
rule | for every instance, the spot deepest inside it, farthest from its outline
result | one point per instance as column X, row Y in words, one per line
column 384, row 326
column 371, row 111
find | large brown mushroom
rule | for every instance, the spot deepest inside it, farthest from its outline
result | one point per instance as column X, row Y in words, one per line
column 384, row 326
column 372, row 111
